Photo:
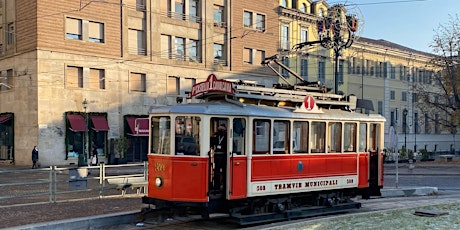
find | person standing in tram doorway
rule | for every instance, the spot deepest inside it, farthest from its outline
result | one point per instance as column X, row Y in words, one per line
column 34, row 157
column 219, row 144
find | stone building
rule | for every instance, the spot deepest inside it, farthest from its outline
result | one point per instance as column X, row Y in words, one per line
column 78, row 74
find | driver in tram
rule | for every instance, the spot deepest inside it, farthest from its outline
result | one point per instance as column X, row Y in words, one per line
column 219, row 145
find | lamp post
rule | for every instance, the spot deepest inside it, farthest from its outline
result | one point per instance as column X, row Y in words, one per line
column 405, row 128
column 85, row 138
column 330, row 31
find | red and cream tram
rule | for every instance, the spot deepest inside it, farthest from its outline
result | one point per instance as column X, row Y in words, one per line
column 263, row 153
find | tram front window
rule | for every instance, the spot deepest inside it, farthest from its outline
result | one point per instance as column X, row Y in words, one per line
column 159, row 131
column 187, row 130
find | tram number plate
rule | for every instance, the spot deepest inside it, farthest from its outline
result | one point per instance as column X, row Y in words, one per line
column 349, row 181
column 260, row 188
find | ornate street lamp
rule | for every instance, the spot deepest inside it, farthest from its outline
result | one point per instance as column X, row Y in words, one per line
column 336, row 31
column 85, row 138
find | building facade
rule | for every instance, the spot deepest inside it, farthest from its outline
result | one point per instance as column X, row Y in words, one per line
column 78, row 75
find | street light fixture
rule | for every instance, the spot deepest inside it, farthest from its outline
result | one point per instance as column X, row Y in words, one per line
column 330, row 30
column 85, row 138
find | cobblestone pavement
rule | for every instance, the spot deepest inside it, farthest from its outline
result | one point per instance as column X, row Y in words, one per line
column 24, row 211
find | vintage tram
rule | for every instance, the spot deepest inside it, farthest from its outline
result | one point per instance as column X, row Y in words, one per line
column 263, row 154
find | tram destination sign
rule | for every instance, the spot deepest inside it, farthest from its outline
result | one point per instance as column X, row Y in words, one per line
column 212, row 85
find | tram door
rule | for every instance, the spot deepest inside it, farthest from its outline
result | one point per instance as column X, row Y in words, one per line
column 228, row 160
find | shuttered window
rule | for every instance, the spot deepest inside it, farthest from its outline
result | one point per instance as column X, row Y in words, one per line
column 96, row 79
column 74, row 77
column 96, row 32
column 137, row 82
column 73, row 28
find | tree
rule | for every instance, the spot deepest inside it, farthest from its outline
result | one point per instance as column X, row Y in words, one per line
column 441, row 99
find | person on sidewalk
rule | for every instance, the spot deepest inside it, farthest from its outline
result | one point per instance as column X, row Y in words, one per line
column 34, row 157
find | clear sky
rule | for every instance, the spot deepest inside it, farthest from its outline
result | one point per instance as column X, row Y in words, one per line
column 410, row 23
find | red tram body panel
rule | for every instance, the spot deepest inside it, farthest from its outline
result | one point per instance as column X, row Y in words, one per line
column 183, row 178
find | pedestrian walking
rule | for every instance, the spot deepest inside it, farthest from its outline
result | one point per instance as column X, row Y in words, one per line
column 35, row 157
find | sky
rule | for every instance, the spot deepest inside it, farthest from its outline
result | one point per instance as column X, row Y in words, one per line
column 410, row 23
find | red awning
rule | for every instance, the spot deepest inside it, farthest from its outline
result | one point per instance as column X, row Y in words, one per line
column 4, row 118
column 142, row 126
column 100, row 123
column 77, row 122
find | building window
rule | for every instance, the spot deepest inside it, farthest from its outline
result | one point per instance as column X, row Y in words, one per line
column 247, row 19
column 137, row 82
column 136, row 44
column 436, row 123
column 285, row 37
column 247, row 56
column 403, row 96
column 304, row 68
column 260, row 56
column 166, row 46
column 6, row 80
column 73, row 28
column 218, row 14
column 10, row 34
column 380, row 107
column 284, row 72
column 193, row 11
column 260, row 22
column 303, row 8
column 74, row 77
column 392, row 95
column 139, row 5
column 96, row 79
column 179, row 9
column 218, row 49
column 303, row 35
column 193, row 51
column 96, row 32
column 322, row 71
column 173, row 86
column 187, row 86
column 180, row 48
column 284, row 3
column 340, row 72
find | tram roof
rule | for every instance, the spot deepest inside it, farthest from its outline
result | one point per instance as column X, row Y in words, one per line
column 231, row 109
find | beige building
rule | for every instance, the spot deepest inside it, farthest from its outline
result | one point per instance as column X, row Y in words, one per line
column 78, row 74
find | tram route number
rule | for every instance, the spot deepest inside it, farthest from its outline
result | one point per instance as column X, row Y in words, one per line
column 260, row 188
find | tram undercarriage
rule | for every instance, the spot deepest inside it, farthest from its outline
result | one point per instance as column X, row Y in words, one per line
column 258, row 210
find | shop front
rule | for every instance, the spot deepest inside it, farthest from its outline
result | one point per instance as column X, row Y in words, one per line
column 86, row 134
column 137, row 133
column 7, row 137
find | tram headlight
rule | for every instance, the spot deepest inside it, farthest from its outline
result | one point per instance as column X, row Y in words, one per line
column 158, row 182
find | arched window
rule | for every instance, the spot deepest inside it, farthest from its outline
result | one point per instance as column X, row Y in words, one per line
column 284, row 3
column 303, row 8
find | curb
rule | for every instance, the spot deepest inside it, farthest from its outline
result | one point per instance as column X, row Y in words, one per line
column 83, row 222
column 419, row 191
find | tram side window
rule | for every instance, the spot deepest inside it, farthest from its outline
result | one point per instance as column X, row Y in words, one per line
column 362, row 137
column 281, row 137
column 239, row 127
column 374, row 137
column 300, row 137
column 318, row 137
column 160, row 131
column 187, row 130
column 261, row 134
column 335, row 137
column 349, row 137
